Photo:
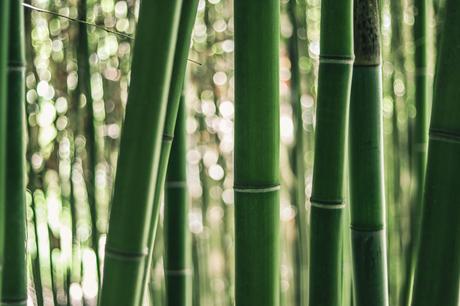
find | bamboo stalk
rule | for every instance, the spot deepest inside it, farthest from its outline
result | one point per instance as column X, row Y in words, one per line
column 437, row 274
column 420, row 137
column 297, row 162
column 178, row 271
column 186, row 23
column 256, row 152
column 138, row 162
column 327, row 203
column 366, row 160
column 84, row 87
column 4, row 39
column 14, row 276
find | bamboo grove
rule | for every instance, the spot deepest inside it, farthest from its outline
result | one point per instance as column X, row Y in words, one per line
column 229, row 152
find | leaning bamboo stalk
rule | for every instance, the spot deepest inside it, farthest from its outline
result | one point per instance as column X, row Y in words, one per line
column 437, row 274
column 327, row 204
column 186, row 23
column 177, row 238
column 366, row 160
column 138, row 161
column 4, row 30
column 420, row 132
column 256, row 152
column 14, row 276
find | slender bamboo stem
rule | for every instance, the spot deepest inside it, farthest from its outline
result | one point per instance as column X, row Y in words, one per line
column 256, row 178
column 327, row 203
column 297, row 161
column 14, row 274
column 138, row 162
column 178, row 271
column 84, row 87
column 366, row 160
column 4, row 39
column 437, row 274
column 186, row 23
column 420, row 137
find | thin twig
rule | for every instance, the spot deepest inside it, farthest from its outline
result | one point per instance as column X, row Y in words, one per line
column 87, row 23
column 76, row 20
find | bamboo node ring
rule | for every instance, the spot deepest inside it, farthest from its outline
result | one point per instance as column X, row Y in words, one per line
column 123, row 255
column 257, row 189
column 338, row 205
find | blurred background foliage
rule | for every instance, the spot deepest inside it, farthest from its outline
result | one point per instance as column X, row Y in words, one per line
column 73, row 141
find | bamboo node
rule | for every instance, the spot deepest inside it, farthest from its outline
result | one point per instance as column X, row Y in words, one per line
column 257, row 189
column 124, row 255
column 339, row 60
column 445, row 136
column 327, row 204
column 167, row 138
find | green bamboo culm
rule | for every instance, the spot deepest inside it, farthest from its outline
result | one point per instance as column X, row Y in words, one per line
column 138, row 161
column 14, row 276
column 186, row 23
column 178, row 272
column 437, row 274
column 420, row 133
column 84, row 88
column 4, row 50
column 327, row 204
column 256, row 153
column 367, row 204
column 297, row 163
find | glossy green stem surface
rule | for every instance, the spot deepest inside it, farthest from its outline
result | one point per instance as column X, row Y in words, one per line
column 367, row 199
column 4, row 26
column 186, row 23
column 256, row 153
column 297, row 155
column 437, row 274
column 178, row 272
column 14, row 276
column 334, row 83
column 138, row 161
column 420, row 133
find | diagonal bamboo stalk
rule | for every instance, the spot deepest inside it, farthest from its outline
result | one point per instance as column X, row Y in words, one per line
column 437, row 273
column 420, row 133
column 186, row 23
column 138, row 162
